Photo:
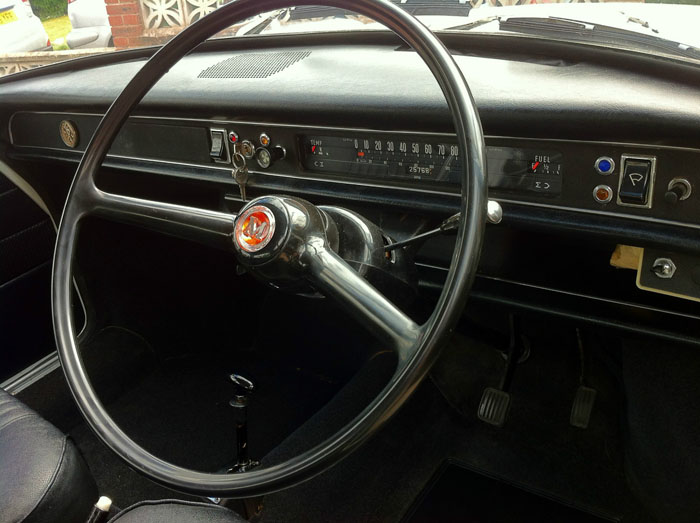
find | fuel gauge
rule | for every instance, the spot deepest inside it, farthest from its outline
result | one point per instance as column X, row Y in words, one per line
column 545, row 164
column 522, row 170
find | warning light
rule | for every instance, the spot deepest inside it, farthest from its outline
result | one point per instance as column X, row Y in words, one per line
column 602, row 194
column 604, row 165
column 232, row 137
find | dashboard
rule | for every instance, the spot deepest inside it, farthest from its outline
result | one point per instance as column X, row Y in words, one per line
column 579, row 165
column 644, row 184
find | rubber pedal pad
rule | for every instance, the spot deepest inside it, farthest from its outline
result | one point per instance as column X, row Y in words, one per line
column 582, row 407
column 494, row 407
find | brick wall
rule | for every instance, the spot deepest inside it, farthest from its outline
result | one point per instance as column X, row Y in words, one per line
column 127, row 23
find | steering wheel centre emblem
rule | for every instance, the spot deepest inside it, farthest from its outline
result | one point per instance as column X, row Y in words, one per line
column 255, row 228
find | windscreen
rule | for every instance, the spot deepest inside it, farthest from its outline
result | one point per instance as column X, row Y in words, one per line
column 40, row 32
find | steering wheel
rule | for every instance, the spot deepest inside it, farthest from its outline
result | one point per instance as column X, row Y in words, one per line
column 296, row 244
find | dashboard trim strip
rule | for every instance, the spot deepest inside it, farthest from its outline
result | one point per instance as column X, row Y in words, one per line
column 210, row 122
column 647, row 219
column 570, row 293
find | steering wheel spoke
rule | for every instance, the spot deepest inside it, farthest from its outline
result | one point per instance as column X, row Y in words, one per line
column 337, row 279
column 201, row 225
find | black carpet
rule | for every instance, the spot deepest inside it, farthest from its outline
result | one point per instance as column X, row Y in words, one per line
column 457, row 494
column 537, row 448
column 178, row 410
column 663, row 427
column 181, row 414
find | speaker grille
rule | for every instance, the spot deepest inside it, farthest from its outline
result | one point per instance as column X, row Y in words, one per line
column 253, row 65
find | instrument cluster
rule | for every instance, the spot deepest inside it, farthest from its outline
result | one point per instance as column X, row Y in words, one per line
column 433, row 159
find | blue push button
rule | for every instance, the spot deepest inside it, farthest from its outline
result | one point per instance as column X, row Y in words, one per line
column 604, row 165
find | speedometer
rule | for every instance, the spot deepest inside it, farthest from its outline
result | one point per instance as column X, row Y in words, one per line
column 374, row 156
column 382, row 156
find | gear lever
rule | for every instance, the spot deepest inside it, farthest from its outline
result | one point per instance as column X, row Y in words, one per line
column 251, row 508
column 244, row 388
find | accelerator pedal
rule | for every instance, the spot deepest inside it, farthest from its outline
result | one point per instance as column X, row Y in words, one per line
column 494, row 406
column 584, row 400
column 582, row 407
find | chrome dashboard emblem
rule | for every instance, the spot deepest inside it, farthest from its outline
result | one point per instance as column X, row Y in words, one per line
column 254, row 228
column 69, row 133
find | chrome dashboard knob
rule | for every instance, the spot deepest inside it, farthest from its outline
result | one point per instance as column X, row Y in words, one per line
column 266, row 157
column 679, row 189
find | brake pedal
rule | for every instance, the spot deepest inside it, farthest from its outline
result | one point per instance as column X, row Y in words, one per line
column 495, row 402
column 494, row 407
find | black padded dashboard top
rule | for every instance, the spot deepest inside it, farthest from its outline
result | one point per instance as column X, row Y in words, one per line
column 388, row 87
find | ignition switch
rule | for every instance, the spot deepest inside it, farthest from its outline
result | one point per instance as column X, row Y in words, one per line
column 247, row 149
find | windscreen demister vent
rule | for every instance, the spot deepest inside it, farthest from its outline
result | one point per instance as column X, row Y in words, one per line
column 253, row 65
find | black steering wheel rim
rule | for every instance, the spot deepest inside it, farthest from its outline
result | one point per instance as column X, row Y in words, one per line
column 84, row 198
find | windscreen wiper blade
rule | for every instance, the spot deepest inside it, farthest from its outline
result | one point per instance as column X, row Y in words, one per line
column 267, row 20
column 584, row 31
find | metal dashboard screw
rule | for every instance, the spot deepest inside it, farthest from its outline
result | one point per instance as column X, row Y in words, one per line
column 664, row 268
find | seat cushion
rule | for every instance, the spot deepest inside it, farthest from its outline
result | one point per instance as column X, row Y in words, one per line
column 176, row 511
column 43, row 477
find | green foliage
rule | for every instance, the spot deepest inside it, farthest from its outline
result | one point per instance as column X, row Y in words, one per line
column 48, row 9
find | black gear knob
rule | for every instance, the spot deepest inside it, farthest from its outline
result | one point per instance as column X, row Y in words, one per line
column 244, row 386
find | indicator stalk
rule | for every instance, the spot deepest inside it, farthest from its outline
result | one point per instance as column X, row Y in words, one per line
column 494, row 215
column 449, row 225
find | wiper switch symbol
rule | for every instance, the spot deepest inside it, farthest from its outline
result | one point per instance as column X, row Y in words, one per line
column 635, row 178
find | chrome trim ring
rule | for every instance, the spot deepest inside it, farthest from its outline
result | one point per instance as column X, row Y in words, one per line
column 607, row 188
column 605, row 159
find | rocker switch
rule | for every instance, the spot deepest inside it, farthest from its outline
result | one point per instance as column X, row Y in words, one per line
column 218, row 151
column 636, row 181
